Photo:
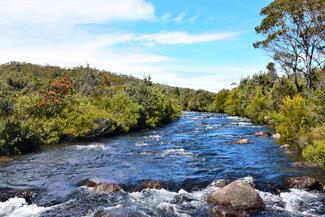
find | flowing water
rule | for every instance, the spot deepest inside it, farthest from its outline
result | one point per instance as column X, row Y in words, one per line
column 188, row 156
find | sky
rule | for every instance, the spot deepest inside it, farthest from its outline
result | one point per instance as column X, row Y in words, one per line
column 200, row 44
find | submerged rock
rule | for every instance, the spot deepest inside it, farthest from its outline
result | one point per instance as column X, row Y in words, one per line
column 262, row 134
column 149, row 184
column 302, row 182
column 238, row 195
column 242, row 141
column 220, row 211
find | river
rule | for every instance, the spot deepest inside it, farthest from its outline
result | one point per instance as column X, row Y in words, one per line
column 187, row 155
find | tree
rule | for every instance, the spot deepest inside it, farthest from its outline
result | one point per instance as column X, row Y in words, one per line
column 295, row 32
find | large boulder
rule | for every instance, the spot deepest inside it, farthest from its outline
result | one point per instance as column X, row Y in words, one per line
column 149, row 184
column 238, row 195
column 302, row 182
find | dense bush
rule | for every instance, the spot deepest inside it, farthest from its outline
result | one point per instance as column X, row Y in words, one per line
column 16, row 137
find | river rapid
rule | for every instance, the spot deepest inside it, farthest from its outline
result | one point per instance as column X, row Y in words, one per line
column 188, row 156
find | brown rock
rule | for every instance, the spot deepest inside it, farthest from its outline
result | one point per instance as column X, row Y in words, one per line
column 238, row 195
column 242, row 141
column 149, row 184
column 102, row 186
column 302, row 182
column 262, row 134
column 220, row 211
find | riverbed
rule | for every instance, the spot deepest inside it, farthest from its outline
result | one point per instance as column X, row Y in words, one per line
column 188, row 156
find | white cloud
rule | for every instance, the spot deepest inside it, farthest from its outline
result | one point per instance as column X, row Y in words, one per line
column 172, row 38
column 179, row 19
column 35, row 12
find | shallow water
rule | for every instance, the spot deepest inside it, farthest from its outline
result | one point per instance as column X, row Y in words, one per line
column 187, row 155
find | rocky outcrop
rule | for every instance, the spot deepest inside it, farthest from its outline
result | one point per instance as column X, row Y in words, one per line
column 7, row 193
column 220, row 211
column 262, row 134
column 242, row 141
column 238, row 195
column 149, row 184
column 302, row 182
column 102, row 186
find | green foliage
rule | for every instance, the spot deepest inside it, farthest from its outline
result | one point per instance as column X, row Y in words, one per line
column 125, row 112
column 218, row 104
column 200, row 101
column 82, row 117
column 16, row 137
column 293, row 118
column 316, row 151
column 257, row 107
column 233, row 104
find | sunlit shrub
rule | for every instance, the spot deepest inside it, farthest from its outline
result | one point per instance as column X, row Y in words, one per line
column 294, row 117
column 82, row 117
column 233, row 104
column 257, row 106
column 125, row 112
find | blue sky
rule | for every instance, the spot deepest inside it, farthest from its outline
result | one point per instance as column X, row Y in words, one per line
column 201, row 44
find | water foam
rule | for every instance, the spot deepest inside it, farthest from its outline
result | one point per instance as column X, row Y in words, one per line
column 94, row 146
column 18, row 207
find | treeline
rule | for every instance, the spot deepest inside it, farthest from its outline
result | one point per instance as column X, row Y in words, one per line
column 46, row 104
column 266, row 98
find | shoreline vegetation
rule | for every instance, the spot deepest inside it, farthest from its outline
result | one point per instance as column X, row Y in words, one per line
column 47, row 105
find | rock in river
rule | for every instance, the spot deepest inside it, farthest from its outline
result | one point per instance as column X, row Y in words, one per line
column 262, row 134
column 302, row 182
column 7, row 193
column 101, row 185
column 242, row 141
column 238, row 195
column 149, row 184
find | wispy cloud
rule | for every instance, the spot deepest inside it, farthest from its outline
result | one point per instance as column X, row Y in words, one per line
column 65, row 12
column 172, row 38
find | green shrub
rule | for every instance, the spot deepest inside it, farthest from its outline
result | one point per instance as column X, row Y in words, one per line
column 125, row 112
column 257, row 106
column 315, row 152
column 218, row 104
column 294, row 117
column 16, row 137
column 82, row 117
column 233, row 104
